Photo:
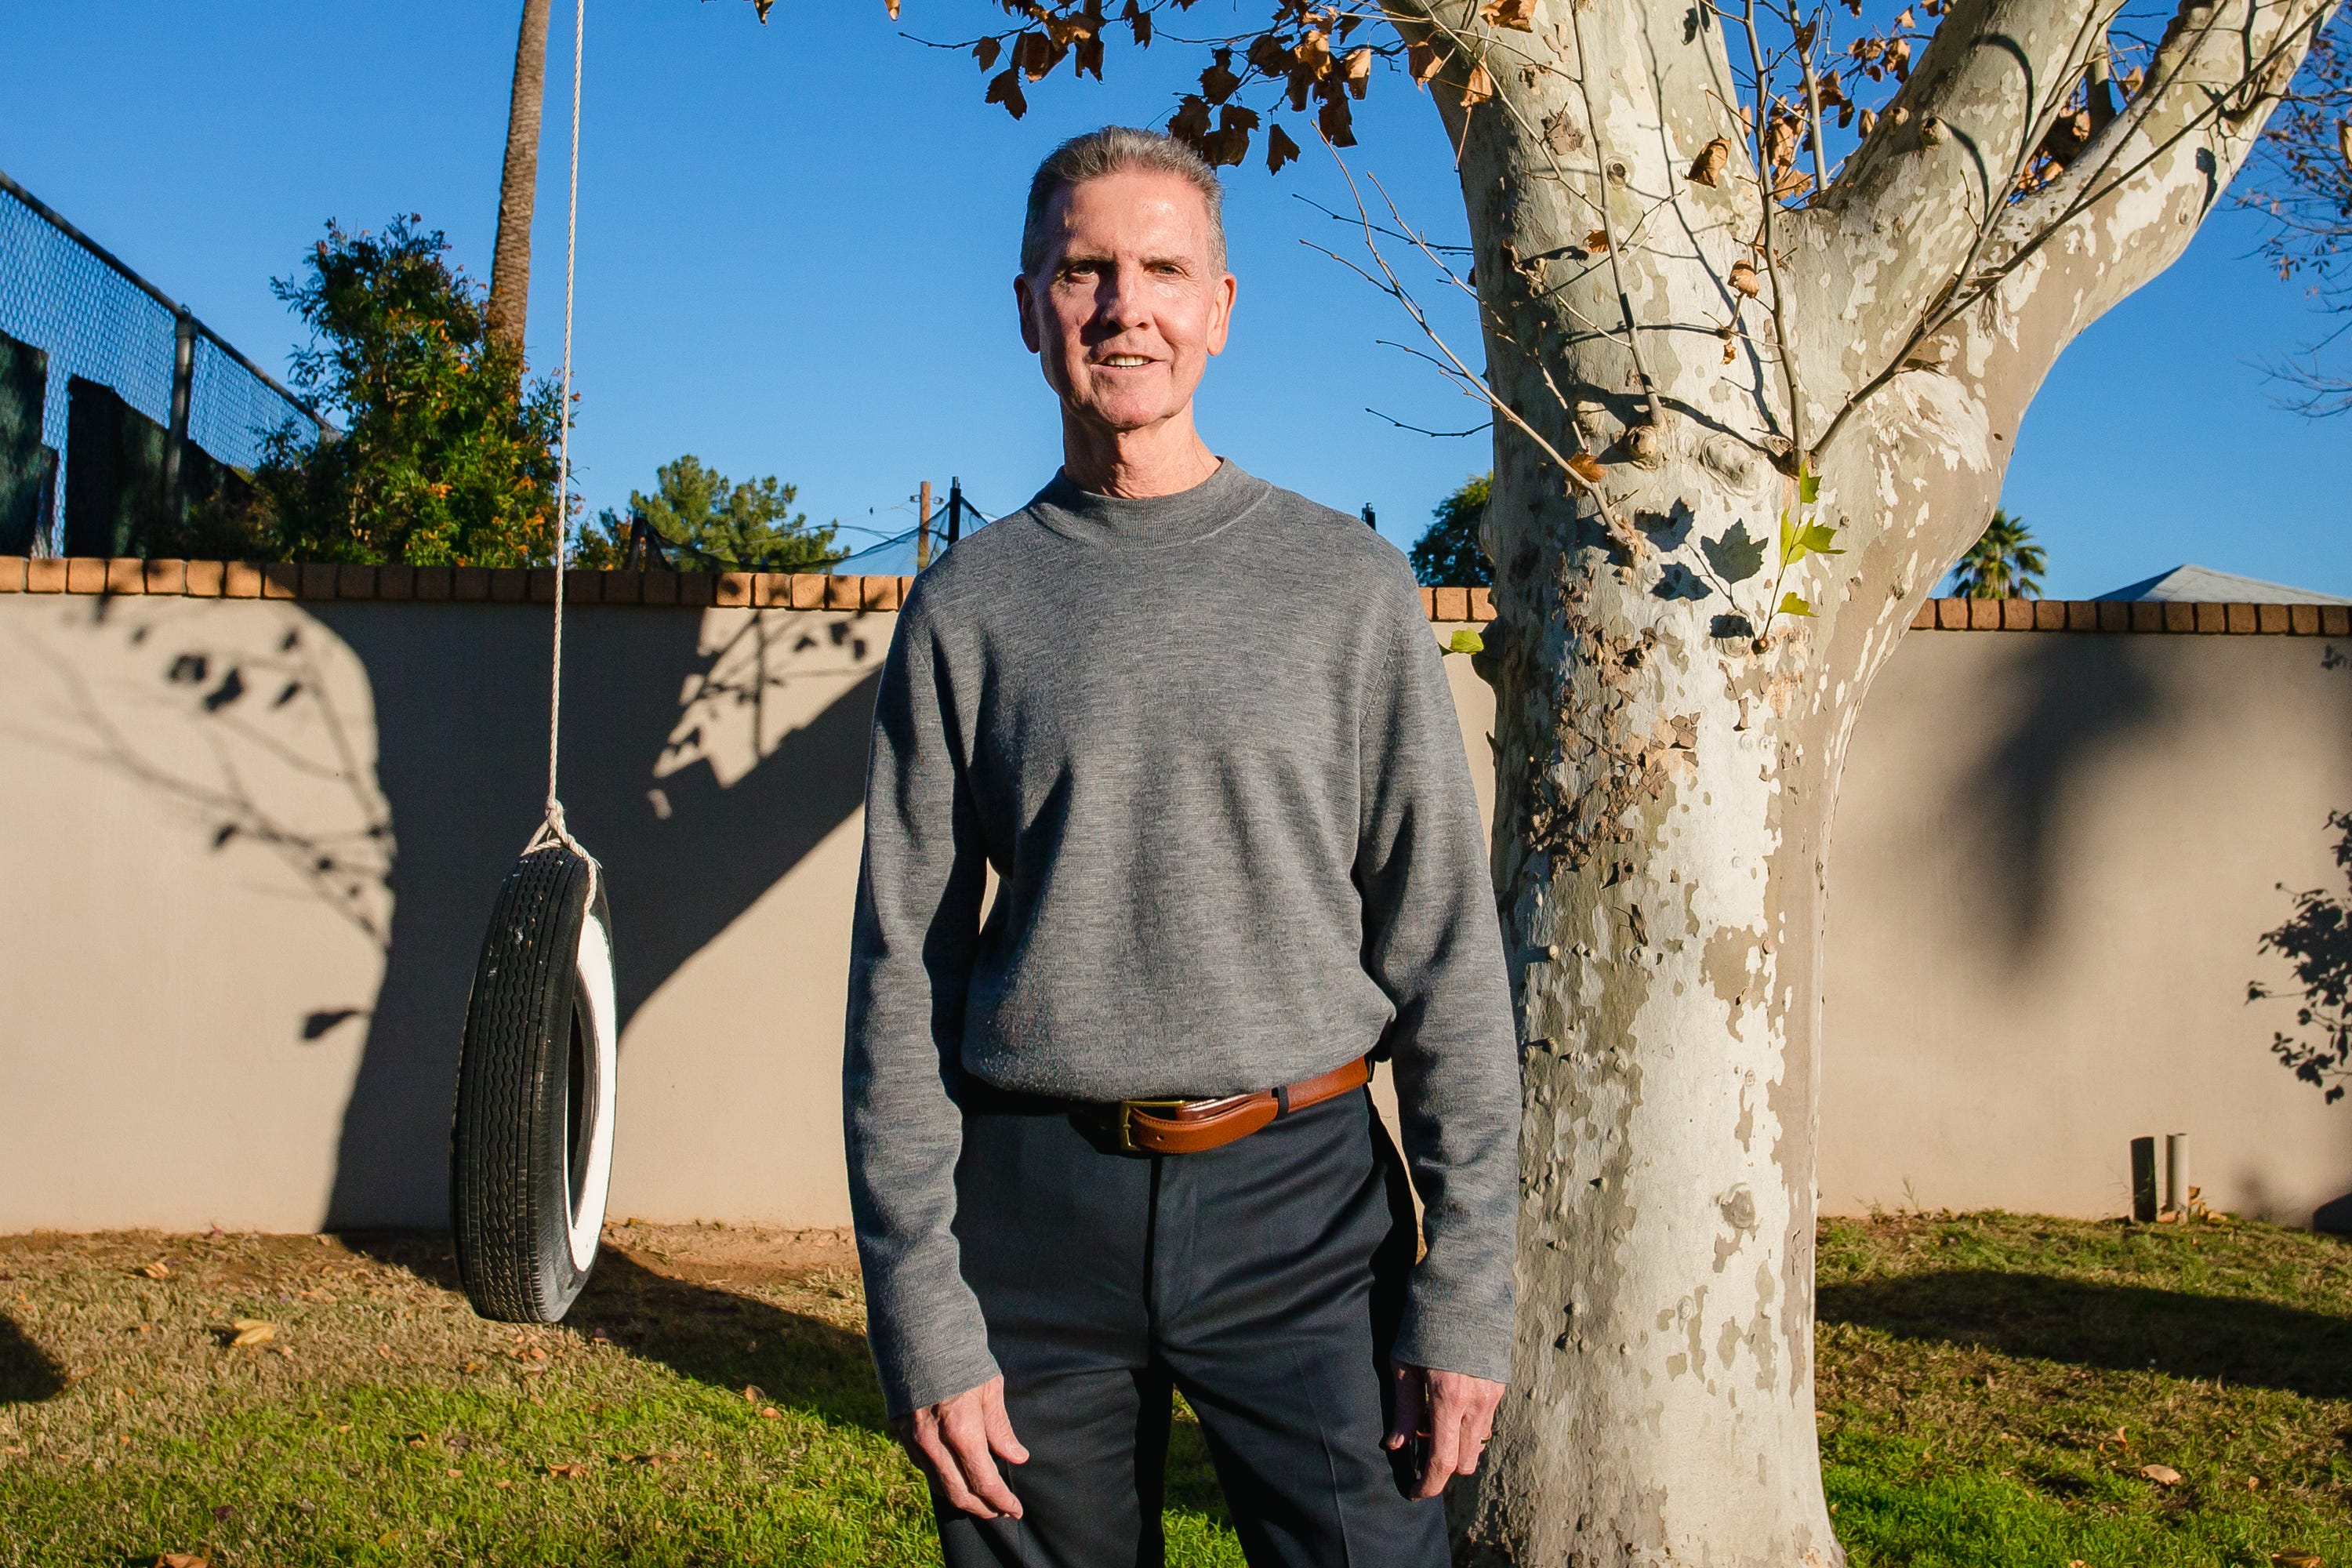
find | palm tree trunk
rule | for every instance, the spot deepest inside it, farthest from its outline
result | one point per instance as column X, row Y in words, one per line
column 518, row 187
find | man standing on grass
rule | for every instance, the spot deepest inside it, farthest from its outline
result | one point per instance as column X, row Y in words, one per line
column 1114, row 1138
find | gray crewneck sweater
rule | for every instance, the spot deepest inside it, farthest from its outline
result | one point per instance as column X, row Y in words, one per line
column 1206, row 742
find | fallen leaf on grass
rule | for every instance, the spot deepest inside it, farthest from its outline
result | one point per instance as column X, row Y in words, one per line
column 156, row 1270
column 754, row 1394
column 180, row 1560
column 570, row 1472
column 2162, row 1475
column 502, row 1485
column 2295, row 1559
column 770, row 1412
column 318, row 1296
column 454, row 1475
column 251, row 1332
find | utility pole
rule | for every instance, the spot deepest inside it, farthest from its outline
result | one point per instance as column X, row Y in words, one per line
column 923, row 527
column 955, row 508
column 175, row 439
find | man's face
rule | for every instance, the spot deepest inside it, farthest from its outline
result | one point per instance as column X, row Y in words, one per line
column 1128, row 303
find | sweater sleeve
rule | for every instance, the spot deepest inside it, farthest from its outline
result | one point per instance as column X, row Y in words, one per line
column 911, row 946
column 1432, row 942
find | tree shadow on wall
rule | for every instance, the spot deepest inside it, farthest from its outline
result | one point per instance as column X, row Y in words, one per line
column 460, row 702
column 700, row 776
column 2123, row 1328
column 2084, row 697
column 2315, row 941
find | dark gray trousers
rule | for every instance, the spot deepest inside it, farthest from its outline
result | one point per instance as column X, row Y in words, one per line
column 1264, row 1279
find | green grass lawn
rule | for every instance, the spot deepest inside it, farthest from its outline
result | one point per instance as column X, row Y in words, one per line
column 1990, row 1387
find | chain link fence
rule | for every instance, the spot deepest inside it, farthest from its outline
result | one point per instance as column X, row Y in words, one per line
column 119, row 410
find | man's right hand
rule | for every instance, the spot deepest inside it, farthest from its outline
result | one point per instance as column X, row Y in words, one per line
column 958, row 1442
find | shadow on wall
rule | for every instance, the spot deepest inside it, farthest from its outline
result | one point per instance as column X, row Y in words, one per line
column 2081, row 698
column 705, row 755
column 2124, row 1327
column 461, row 704
column 2316, row 941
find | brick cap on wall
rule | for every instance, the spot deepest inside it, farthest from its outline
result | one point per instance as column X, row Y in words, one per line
column 808, row 591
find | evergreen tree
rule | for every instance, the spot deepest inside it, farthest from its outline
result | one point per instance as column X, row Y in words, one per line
column 708, row 523
column 1449, row 555
column 445, row 456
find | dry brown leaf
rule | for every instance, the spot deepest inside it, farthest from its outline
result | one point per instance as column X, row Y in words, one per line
column 568, row 1472
column 1743, row 277
column 251, row 1332
column 1730, row 353
column 2162, row 1475
column 2344, row 141
column 1597, row 241
column 1336, row 121
column 770, row 1414
column 2294, row 1558
column 1220, row 82
column 180, row 1560
column 1355, row 71
column 1588, row 467
column 1519, row 13
column 754, row 1394
column 1004, row 87
column 156, row 1270
column 1479, row 89
column 1707, row 169
column 1423, row 62
column 1279, row 149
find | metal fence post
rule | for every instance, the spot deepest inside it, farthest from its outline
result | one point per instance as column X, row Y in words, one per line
column 175, row 442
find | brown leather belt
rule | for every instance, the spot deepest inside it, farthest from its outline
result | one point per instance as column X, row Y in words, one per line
column 1192, row 1126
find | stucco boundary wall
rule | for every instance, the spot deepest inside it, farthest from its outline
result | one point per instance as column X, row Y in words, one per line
column 808, row 591
column 257, row 815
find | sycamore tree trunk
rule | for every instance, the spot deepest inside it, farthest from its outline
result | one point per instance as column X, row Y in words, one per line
column 1667, row 749
column 509, row 305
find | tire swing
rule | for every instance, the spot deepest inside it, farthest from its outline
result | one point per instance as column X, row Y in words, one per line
column 530, row 1146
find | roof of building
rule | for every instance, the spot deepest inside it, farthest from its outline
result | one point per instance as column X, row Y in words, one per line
column 2203, row 584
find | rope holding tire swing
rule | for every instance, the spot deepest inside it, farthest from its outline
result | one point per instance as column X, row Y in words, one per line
column 551, row 829
column 532, row 1137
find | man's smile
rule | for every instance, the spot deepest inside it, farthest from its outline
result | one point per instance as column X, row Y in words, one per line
column 1124, row 362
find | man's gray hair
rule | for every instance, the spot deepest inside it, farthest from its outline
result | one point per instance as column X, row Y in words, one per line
column 1109, row 150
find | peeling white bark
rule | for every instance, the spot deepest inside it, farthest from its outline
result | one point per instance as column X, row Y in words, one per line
column 1665, row 778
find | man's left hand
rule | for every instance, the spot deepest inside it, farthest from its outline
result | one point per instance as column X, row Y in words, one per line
column 1450, row 1414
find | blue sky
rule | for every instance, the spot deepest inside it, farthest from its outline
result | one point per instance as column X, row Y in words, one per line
column 796, row 249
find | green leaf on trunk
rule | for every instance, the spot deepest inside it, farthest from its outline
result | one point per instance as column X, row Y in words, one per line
column 1809, row 488
column 1792, row 539
column 1466, row 641
column 1793, row 604
column 1735, row 557
column 1818, row 539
